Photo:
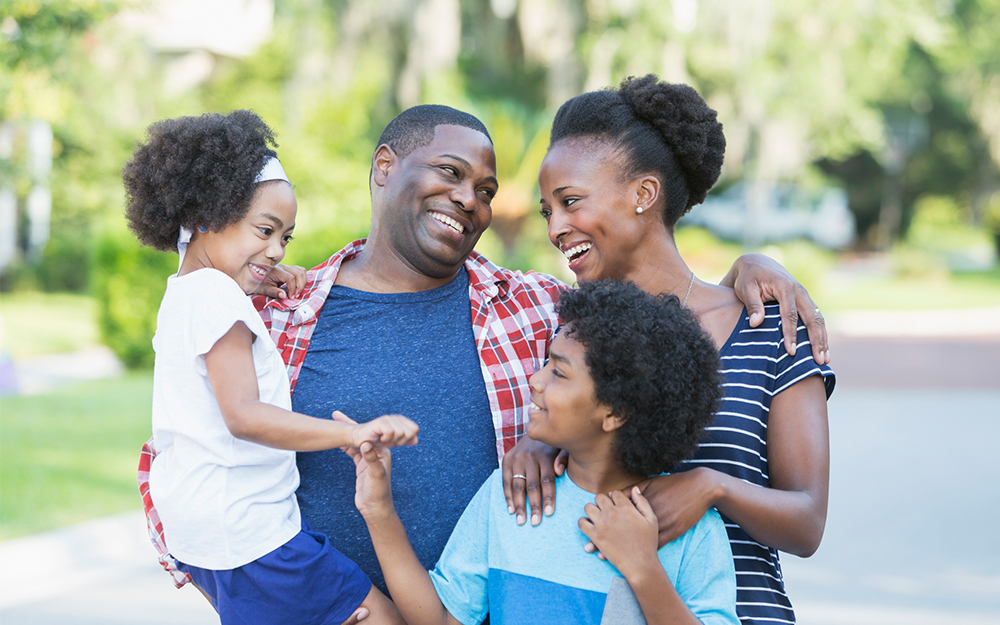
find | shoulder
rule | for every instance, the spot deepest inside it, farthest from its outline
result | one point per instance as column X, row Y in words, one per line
column 483, row 271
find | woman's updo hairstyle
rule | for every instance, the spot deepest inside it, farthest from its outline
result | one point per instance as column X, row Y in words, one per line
column 193, row 172
column 660, row 128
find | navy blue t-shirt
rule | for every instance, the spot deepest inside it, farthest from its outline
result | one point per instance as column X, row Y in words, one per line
column 401, row 353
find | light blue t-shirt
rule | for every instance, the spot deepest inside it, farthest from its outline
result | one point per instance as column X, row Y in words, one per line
column 525, row 574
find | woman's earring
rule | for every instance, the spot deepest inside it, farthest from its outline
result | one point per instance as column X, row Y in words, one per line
column 638, row 209
column 202, row 229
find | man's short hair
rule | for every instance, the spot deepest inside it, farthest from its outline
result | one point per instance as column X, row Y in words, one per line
column 414, row 127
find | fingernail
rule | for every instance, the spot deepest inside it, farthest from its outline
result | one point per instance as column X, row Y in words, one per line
column 535, row 519
column 520, row 519
column 510, row 509
column 548, row 510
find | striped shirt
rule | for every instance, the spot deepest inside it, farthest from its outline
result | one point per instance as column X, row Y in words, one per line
column 756, row 368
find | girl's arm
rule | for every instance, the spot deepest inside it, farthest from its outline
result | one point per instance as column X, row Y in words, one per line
column 409, row 582
column 626, row 532
column 234, row 383
column 791, row 514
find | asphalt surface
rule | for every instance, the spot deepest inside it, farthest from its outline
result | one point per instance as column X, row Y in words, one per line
column 911, row 533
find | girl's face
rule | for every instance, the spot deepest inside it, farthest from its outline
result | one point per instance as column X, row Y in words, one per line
column 590, row 210
column 564, row 410
column 247, row 250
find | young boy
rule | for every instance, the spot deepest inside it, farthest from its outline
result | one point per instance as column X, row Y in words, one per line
column 630, row 382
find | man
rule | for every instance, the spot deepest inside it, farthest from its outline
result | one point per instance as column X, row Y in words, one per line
column 384, row 326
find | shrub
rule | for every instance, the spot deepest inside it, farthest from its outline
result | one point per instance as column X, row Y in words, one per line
column 128, row 283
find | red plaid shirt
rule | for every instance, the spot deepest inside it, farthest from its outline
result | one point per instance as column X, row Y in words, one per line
column 513, row 322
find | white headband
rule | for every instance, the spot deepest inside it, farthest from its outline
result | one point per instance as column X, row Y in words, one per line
column 272, row 170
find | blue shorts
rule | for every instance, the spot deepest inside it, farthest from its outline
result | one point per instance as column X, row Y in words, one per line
column 305, row 581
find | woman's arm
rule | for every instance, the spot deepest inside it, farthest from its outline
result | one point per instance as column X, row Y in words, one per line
column 625, row 532
column 234, row 382
column 758, row 279
column 791, row 514
column 408, row 581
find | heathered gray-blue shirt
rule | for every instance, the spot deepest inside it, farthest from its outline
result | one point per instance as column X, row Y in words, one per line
column 402, row 353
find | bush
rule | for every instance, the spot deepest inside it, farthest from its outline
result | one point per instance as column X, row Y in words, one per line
column 129, row 281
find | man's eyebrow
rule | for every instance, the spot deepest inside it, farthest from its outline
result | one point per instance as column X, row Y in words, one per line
column 468, row 166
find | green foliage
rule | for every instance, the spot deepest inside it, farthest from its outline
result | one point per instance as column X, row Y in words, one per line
column 129, row 282
column 71, row 455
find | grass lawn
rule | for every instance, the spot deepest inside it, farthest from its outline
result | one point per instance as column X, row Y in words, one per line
column 46, row 323
column 71, row 455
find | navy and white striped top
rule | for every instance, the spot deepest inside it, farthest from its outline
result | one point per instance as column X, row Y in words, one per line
column 756, row 368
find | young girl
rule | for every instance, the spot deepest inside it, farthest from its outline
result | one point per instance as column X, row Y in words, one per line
column 629, row 384
column 224, row 479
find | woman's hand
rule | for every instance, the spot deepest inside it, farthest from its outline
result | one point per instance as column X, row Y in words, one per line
column 292, row 277
column 529, row 472
column 758, row 279
column 678, row 501
column 624, row 531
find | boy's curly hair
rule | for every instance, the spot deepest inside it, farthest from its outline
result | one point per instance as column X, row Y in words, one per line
column 194, row 171
column 654, row 127
column 652, row 364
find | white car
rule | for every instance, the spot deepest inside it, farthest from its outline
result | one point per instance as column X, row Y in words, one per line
column 787, row 211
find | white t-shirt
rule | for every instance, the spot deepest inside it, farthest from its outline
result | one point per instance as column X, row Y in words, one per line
column 224, row 502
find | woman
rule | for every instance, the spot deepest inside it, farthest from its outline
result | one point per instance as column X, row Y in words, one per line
column 622, row 167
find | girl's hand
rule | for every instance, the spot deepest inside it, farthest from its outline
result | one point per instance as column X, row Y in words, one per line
column 292, row 277
column 536, row 464
column 386, row 431
column 624, row 531
column 373, row 486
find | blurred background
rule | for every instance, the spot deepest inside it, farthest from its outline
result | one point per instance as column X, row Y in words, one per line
column 863, row 154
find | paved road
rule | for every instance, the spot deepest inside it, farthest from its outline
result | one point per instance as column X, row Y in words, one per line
column 911, row 538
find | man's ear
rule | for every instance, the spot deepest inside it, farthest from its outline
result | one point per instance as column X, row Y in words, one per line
column 383, row 161
column 611, row 422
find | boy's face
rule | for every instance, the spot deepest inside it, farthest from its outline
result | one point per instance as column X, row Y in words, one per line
column 564, row 409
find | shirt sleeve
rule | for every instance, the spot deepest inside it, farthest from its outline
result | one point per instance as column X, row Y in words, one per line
column 792, row 369
column 461, row 576
column 706, row 580
column 217, row 307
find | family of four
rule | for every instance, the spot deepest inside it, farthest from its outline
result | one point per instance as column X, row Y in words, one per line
column 676, row 431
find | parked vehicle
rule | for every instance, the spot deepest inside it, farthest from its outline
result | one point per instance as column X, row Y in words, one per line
column 786, row 211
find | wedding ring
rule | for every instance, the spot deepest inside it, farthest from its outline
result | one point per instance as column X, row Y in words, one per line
column 518, row 475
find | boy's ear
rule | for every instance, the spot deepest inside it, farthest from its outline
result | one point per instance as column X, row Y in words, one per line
column 611, row 422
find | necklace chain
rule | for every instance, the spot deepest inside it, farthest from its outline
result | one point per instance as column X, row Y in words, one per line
column 690, row 285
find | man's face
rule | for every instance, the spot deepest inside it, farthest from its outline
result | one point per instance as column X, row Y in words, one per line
column 436, row 201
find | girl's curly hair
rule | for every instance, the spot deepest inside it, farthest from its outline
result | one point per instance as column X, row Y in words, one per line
column 652, row 364
column 656, row 127
column 194, row 171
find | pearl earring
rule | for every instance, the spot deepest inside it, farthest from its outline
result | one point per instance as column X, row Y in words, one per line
column 638, row 209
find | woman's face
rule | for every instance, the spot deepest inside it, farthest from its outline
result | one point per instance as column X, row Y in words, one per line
column 590, row 210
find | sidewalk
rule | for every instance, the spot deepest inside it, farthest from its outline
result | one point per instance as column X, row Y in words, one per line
column 101, row 572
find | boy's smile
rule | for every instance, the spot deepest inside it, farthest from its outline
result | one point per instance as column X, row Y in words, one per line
column 564, row 410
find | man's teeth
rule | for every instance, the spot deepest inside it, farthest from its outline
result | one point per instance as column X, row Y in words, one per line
column 536, row 406
column 577, row 250
column 448, row 221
